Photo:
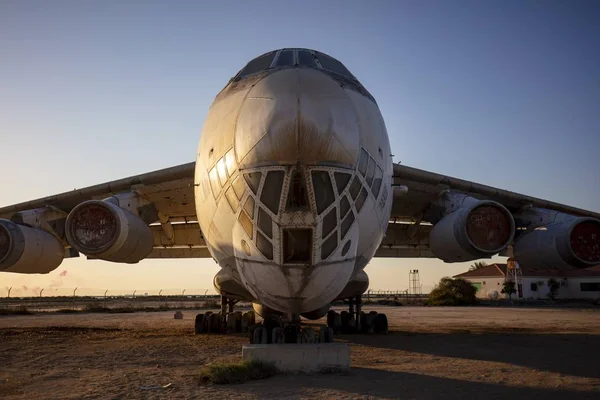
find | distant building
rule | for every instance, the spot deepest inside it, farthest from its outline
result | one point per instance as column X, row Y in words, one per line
column 533, row 283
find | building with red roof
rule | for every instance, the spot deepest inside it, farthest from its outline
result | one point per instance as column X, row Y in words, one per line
column 533, row 282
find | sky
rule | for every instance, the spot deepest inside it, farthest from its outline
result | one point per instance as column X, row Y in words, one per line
column 502, row 93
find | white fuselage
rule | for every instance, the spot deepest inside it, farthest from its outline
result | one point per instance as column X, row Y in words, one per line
column 284, row 200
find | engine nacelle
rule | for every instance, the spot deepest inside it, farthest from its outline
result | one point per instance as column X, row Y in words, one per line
column 479, row 230
column 100, row 229
column 572, row 242
column 27, row 250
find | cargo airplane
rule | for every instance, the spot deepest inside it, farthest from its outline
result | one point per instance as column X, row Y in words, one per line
column 292, row 193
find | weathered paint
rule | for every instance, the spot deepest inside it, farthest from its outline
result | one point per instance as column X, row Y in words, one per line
column 295, row 120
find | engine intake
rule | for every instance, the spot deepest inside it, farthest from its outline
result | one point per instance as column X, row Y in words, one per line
column 572, row 242
column 27, row 250
column 100, row 229
column 479, row 230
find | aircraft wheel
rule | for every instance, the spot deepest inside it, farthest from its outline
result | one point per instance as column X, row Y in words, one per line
column 234, row 322
column 277, row 336
column 380, row 324
column 259, row 336
column 214, row 323
column 332, row 320
column 198, row 323
column 308, row 335
column 345, row 317
column 326, row 335
column 248, row 319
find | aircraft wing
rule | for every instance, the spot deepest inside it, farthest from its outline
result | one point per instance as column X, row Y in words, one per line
column 421, row 197
column 164, row 198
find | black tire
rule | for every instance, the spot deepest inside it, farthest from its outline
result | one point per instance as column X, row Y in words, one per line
column 364, row 323
column 205, row 328
column 345, row 315
column 326, row 335
column 380, row 324
column 215, row 323
column 271, row 323
column 331, row 319
column 259, row 335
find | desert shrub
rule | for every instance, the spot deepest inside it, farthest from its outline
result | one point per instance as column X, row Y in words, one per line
column 226, row 373
column 453, row 292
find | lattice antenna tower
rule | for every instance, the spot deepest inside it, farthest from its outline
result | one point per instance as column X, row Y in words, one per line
column 514, row 273
column 414, row 283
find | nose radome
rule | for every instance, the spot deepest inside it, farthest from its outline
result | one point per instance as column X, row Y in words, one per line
column 297, row 116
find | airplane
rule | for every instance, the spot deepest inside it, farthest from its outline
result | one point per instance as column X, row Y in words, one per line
column 292, row 193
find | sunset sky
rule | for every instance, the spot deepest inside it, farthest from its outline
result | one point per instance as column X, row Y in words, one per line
column 502, row 93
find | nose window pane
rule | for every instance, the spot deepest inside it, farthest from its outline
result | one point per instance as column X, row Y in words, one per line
column 346, row 224
column 324, row 195
column 265, row 223
column 264, row 246
column 246, row 223
column 238, row 187
column 329, row 246
column 271, row 192
column 361, row 200
column 258, row 64
column 249, row 207
column 297, row 245
column 297, row 195
column 370, row 172
column 305, row 58
column 286, row 58
column 329, row 223
column 355, row 188
column 362, row 162
column 377, row 182
column 344, row 206
column 334, row 65
column 341, row 181
column 253, row 180
column 233, row 201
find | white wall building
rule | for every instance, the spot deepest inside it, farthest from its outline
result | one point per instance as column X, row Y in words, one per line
column 533, row 283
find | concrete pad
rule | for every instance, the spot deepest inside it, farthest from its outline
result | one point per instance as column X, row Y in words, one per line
column 301, row 357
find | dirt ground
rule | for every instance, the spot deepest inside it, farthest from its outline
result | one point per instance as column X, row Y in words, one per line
column 430, row 353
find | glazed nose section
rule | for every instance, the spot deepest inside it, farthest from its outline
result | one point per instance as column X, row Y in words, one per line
column 297, row 116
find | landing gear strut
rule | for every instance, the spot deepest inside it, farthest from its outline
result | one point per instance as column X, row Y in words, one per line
column 357, row 321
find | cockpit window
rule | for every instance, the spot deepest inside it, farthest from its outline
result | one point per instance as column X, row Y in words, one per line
column 305, row 58
column 271, row 192
column 285, row 59
column 297, row 195
column 333, row 65
column 260, row 63
column 324, row 195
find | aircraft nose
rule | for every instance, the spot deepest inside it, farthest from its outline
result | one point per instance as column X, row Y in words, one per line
column 297, row 116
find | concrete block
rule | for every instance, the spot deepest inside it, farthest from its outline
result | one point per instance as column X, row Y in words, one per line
column 301, row 357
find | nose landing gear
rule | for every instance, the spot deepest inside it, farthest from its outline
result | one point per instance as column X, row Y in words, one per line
column 357, row 321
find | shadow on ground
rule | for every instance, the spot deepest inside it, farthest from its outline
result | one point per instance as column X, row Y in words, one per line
column 569, row 354
column 365, row 382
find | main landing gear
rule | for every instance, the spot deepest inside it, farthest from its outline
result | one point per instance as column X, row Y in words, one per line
column 225, row 321
column 355, row 320
column 282, row 329
column 273, row 329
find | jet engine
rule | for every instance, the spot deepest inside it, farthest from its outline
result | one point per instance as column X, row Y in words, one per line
column 572, row 242
column 479, row 230
column 28, row 250
column 100, row 229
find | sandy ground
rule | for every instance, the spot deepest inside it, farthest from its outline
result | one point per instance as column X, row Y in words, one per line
column 430, row 353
